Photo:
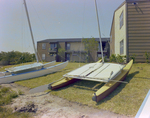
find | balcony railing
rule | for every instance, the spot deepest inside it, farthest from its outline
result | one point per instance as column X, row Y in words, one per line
column 104, row 50
column 73, row 51
column 53, row 50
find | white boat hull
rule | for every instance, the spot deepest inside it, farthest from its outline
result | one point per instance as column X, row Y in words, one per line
column 31, row 74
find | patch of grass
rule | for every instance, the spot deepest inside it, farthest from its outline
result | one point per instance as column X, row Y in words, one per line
column 126, row 99
column 20, row 92
column 7, row 113
column 6, row 96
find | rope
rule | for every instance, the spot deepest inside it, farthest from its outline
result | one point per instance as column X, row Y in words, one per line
column 22, row 32
column 82, row 29
column 39, row 18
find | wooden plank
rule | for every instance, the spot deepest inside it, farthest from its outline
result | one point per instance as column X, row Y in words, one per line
column 139, row 31
column 139, row 18
column 139, row 54
column 138, row 28
column 138, row 15
column 137, row 1
column 141, row 35
column 139, row 43
column 138, row 9
column 140, row 51
column 140, row 48
column 144, row 12
column 140, row 6
column 139, row 39
column 131, row 1
column 132, row 25
column 138, row 22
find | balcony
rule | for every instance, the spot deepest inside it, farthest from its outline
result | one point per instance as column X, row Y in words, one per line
column 104, row 50
column 53, row 50
column 73, row 51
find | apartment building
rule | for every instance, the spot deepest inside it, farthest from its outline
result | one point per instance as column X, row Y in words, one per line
column 72, row 49
column 130, row 30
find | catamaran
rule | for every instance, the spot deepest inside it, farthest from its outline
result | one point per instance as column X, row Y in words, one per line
column 30, row 70
column 110, row 73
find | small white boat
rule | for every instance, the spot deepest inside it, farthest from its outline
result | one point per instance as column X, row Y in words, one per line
column 28, row 67
column 8, row 77
column 31, row 70
column 101, row 72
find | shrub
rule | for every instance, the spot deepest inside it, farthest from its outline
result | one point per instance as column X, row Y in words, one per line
column 112, row 58
column 133, row 57
column 4, row 89
column 105, row 59
column 6, row 95
column 117, row 58
column 146, row 55
column 120, row 59
column 16, row 57
column 20, row 92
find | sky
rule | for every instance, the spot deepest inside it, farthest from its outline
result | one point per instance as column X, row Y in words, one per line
column 52, row 19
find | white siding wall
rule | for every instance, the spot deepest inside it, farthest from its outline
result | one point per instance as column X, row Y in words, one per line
column 120, row 34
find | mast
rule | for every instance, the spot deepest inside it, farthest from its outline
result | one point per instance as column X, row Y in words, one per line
column 31, row 31
column 99, row 31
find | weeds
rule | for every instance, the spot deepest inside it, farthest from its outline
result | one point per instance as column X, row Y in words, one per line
column 117, row 58
column 6, row 96
column 133, row 57
column 147, row 55
column 20, row 92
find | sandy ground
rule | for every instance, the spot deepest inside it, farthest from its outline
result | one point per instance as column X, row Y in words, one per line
column 49, row 106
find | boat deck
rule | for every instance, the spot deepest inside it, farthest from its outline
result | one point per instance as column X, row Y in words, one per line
column 102, row 72
column 24, row 67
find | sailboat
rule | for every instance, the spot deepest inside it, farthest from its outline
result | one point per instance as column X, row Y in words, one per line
column 111, row 74
column 30, row 70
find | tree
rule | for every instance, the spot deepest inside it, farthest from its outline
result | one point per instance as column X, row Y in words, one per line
column 61, row 53
column 16, row 57
column 91, row 46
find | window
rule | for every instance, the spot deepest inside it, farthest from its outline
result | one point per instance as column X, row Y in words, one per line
column 43, row 56
column 53, row 46
column 99, row 47
column 68, row 46
column 103, row 46
column 122, row 47
column 43, row 45
column 68, row 57
column 121, row 20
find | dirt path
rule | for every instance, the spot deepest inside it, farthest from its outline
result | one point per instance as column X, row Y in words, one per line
column 49, row 106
